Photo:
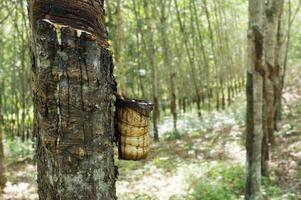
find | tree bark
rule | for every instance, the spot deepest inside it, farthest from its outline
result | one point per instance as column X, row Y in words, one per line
column 271, row 52
column 255, row 74
column 73, row 88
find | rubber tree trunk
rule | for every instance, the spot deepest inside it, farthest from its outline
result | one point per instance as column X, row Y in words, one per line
column 272, row 14
column 255, row 74
column 115, row 20
column 193, row 71
column 154, row 69
column 73, row 88
column 290, row 22
column 280, row 63
column 2, row 169
column 164, row 8
column 206, row 68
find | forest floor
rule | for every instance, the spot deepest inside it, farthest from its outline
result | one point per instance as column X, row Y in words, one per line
column 204, row 160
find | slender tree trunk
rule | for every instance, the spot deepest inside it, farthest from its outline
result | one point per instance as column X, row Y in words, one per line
column 139, row 37
column 214, row 54
column 191, row 60
column 255, row 74
column 272, row 15
column 291, row 19
column 167, row 62
column 2, row 125
column 280, row 65
column 202, row 49
column 222, row 54
column 116, row 22
column 73, row 88
column 151, row 53
column 2, row 170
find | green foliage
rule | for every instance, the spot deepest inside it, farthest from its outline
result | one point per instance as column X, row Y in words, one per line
column 15, row 68
column 173, row 135
column 273, row 191
column 177, row 197
column 225, row 182
column 166, row 164
column 143, row 197
column 209, row 191
column 221, row 182
column 17, row 149
column 129, row 165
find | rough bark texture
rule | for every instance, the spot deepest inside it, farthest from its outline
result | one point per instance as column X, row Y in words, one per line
column 73, row 87
column 87, row 15
column 254, row 100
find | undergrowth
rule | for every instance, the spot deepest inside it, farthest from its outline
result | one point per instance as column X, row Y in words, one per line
column 224, row 181
column 16, row 149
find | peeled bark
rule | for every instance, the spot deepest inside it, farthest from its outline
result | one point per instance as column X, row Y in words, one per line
column 255, row 74
column 73, row 88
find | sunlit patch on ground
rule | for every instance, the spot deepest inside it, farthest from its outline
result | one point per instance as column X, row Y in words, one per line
column 22, row 185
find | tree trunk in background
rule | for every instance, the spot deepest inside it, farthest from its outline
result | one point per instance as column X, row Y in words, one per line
column 291, row 18
column 271, row 52
column 193, row 72
column 199, row 54
column 255, row 74
column 2, row 170
column 203, row 53
column 214, row 54
column 280, row 64
column 222, row 59
column 151, row 54
column 116, row 21
column 139, row 37
column 167, row 62
column 73, row 87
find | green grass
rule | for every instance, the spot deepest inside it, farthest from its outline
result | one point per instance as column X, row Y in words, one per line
column 168, row 165
column 223, row 181
column 220, row 182
column 137, row 196
column 15, row 149
column 173, row 135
